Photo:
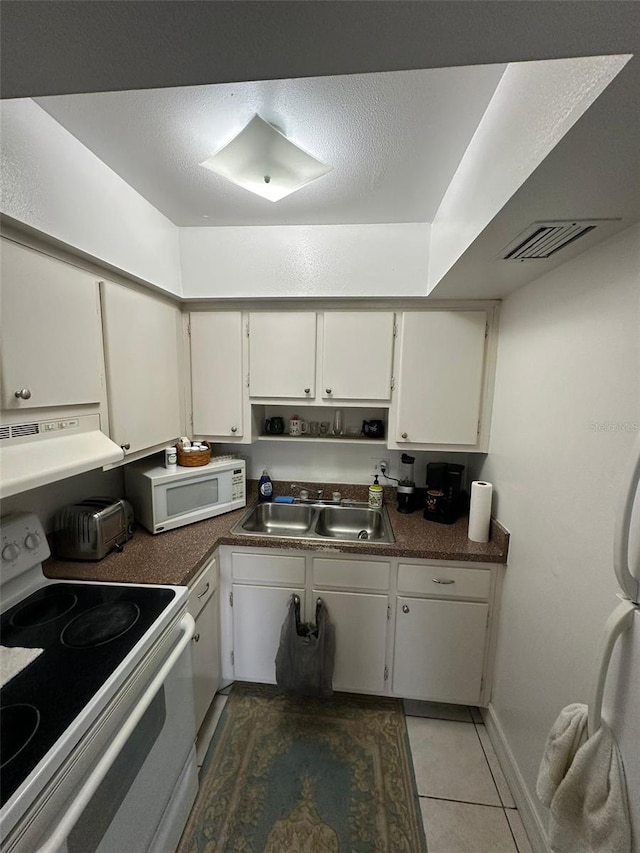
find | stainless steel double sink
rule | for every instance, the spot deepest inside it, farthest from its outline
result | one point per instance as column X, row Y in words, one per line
column 356, row 522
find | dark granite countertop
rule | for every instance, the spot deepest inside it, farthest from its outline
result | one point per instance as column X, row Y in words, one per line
column 176, row 556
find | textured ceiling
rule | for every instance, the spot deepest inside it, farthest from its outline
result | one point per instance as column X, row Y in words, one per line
column 394, row 141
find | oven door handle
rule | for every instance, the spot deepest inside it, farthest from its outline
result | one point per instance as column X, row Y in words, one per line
column 60, row 833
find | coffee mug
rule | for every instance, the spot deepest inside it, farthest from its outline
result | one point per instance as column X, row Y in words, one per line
column 295, row 426
column 274, row 426
column 314, row 427
column 373, row 429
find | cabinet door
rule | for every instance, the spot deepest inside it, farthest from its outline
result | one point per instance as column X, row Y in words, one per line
column 282, row 354
column 216, row 373
column 361, row 633
column 258, row 614
column 51, row 334
column 142, row 353
column 357, row 355
column 440, row 377
column 439, row 650
column 205, row 658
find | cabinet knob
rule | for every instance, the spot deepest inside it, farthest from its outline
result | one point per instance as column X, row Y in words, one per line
column 405, row 608
column 404, row 435
column 126, row 446
column 234, row 429
column 23, row 394
column 328, row 390
column 196, row 638
column 307, row 390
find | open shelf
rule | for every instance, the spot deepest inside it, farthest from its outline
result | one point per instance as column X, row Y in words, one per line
column 325, row 439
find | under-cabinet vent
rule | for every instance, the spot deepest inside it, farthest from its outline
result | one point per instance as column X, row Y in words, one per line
column 541, row 240
column 19, row 430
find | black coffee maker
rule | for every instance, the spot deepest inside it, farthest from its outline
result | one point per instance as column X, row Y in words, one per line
column 445, row 495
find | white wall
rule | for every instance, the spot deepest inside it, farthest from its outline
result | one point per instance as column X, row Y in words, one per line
column 533, row 107
column 328, row 463
column 47, row 500
column 305, row 260
column 566, row 411
column 53, row 183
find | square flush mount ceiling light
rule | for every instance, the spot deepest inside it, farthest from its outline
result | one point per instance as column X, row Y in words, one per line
column 265, row 162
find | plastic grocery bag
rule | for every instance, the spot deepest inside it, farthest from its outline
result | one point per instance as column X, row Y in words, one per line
column 304, row 662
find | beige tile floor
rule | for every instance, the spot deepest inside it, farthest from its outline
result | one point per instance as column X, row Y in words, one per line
column 464, row 798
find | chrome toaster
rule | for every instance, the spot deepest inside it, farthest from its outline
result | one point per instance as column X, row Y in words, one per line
column 92, row 528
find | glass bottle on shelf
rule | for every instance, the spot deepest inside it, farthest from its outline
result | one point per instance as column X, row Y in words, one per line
column 337, row 422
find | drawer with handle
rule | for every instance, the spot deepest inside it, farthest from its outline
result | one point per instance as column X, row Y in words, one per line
column 444, row 581
column 203, row 588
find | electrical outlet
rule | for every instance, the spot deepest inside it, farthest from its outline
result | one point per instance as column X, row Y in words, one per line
column 379, row 466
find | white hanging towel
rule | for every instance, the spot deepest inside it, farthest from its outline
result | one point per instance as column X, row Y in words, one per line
column 582, row 782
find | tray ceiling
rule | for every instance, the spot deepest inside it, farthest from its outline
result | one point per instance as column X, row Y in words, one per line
column 394, row 140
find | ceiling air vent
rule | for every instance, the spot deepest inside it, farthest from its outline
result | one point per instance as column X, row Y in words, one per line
column 541, row 240
column 5, row 432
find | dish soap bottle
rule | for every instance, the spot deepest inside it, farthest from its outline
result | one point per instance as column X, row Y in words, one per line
column 375, row 494
column 265, row 487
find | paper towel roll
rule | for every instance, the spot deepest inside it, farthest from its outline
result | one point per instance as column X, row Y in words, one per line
column 480, row 511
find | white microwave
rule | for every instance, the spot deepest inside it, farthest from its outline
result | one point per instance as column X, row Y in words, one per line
column 165, row 498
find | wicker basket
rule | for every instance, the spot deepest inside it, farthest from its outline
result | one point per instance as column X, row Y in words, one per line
column 195, row 458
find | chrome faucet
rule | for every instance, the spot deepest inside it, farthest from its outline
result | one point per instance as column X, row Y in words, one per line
column 303, row 494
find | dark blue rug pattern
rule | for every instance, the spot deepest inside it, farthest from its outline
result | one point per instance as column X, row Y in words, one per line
column 309, row 775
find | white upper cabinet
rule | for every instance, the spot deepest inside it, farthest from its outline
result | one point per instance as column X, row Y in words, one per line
column 216, row 374
column 142, row 338
column 51, row 335
column 440, row 378
column 282, row 355
column 357, row 355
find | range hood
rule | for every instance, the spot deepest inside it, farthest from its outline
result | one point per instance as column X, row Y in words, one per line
column 35, row 453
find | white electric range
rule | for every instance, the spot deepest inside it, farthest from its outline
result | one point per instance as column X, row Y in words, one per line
column 97, row 731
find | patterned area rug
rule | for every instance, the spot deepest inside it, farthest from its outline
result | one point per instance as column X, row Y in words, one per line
column 287, row 775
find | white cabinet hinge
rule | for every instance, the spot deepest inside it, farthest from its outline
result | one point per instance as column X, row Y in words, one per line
column 232, row 659
column 478, row 431
column 189, row 328
column 388, row 612
column 393, row 382
column 248, row 385
column 486, row 330
column 395, row 330
column 247, row 328
column 386, row 673
column 231, row 599
column 191, row 422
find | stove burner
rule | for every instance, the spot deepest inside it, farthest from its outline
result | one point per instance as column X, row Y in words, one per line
column 47, row 607
column 100, row 625
column 18, row 724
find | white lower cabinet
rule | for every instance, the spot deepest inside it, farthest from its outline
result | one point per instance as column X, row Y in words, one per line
column 204, row 606
column 258, row 614
column 413, row 629
column 360, row 621
column 439, row 649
